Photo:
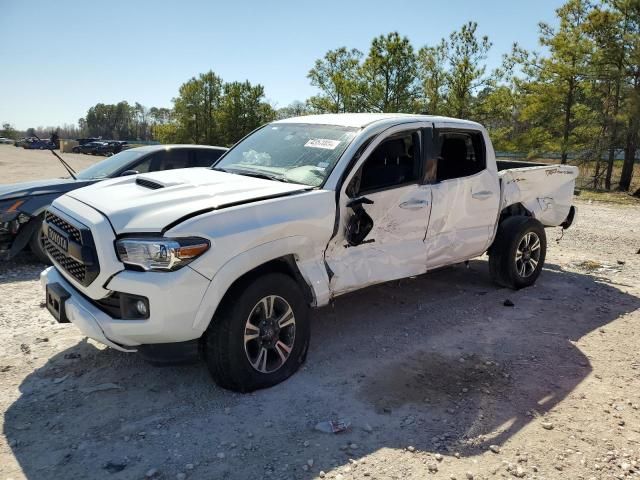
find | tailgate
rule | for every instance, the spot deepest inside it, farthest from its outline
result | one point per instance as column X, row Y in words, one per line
column 546, row 191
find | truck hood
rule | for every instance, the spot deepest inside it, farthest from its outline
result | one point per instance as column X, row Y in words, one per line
column 151, row 202
column 40, row 187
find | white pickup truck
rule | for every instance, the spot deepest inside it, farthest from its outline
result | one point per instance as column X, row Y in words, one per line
column 227, row 261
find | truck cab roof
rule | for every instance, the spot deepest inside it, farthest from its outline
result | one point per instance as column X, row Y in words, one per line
column 362, row 120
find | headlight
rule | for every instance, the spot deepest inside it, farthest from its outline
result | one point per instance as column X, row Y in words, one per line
column 163, row 254
column 9, row 210
column 10, row 205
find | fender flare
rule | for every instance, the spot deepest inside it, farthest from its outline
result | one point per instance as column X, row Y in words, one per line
column 308, row 258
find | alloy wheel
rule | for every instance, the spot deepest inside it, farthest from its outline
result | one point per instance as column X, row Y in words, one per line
column 528, row 254
column 269, row 334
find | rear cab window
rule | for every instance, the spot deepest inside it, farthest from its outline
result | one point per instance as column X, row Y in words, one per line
column 461, row 153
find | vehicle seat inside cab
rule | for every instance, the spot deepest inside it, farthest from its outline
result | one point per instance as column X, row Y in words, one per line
column 392, row 163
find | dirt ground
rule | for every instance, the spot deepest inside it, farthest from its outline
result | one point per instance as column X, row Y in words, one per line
column 437, row 377
column 20, row 165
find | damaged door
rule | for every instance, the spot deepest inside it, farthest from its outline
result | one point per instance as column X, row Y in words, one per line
column 384, row 212
column 466, row 197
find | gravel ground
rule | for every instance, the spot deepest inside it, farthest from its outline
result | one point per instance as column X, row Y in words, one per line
column 20, row 165
column 437, row 378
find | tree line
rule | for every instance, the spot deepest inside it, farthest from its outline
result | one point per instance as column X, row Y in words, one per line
column 578, row 98
column 122, row 121
column 207, row 110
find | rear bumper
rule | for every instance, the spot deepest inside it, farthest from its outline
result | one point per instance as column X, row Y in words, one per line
column 571, row 217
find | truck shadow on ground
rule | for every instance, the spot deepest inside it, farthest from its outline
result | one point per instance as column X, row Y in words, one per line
column 436, row 362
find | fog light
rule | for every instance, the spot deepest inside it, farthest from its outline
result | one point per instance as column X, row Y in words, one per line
column 133, row 307
column 141, row 308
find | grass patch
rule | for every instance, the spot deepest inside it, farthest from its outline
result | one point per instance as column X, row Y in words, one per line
column 590, row 265
column 619, row 198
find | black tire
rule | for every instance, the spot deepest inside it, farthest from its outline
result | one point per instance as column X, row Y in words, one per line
column 224, row 349
column 505, row 268
column 75, row 150
column 36, row 244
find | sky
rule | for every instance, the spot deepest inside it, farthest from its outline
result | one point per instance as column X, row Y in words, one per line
column 59, row 58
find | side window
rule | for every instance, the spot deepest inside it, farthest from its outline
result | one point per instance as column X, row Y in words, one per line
column 461, row 154
column 204, row 157
column 143, row 166
column 170, row 159
column 394, row 162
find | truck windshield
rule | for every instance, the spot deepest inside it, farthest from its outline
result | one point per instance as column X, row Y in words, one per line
column 289, row 152
column 110, row 166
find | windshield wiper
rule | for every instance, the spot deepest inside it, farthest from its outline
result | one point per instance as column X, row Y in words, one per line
column 252, row 173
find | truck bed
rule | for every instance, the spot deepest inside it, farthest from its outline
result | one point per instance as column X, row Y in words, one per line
column 545, row 190
column 509, row 164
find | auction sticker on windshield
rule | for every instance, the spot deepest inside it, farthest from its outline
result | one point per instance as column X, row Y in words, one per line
column 322, row 143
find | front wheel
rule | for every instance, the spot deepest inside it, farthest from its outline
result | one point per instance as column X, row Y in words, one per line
column 36, row 244
column 518, row 252
column 260, row 334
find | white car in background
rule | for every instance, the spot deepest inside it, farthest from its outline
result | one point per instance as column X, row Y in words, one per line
column 228, row 260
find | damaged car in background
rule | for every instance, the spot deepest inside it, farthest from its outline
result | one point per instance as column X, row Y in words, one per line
column 22, row 205
column 226, row 262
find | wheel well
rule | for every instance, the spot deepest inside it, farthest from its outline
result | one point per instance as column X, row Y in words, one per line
column 517, row 209
column 286, row 265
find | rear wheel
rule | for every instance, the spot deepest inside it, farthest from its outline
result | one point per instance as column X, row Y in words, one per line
column 260, row 334
column 518, row 252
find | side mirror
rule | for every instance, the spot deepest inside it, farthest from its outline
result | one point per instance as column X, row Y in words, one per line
column 355, row 202
column 126, row 173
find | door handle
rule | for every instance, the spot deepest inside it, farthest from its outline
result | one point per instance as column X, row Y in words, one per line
column 414, row 204
column 482, row 195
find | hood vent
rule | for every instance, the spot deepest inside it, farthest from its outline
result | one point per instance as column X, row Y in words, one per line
column 143, row 182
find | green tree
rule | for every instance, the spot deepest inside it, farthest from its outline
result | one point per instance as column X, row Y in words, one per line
column 209, row 111
column 111, row 121
column 614, row 28
column 495, row 107
column 167, row 133
column 194, row 107
column 554, row 97
column 466, row 54
column 631, row 106
column 242, row 110
column 294, row 109
column 8, row 131
column 433, row 77
column 389, row 82
column 336, row 75
column 159, row 116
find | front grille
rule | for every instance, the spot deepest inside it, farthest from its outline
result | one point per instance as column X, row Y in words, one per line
column 63, row 225
column 80, row 259
column 75, row 268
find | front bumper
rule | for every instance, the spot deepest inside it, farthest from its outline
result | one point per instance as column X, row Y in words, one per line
column 174, row 300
